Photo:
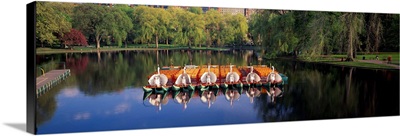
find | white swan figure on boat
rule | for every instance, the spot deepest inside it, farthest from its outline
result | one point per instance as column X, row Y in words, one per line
column 232, row 77
column 273, row 77
column 158, row 79
column 252, row 77
column 183, row 79
column 208, row 77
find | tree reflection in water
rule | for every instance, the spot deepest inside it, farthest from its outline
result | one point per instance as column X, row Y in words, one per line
column 317, row 91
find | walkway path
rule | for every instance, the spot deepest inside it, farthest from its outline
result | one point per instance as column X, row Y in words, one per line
column 380, row 62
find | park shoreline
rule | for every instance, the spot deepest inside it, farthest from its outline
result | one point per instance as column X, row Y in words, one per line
column 355, row 64
column 359, row 64
column 89, row 50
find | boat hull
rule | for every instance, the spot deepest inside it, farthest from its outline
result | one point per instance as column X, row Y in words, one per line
column 155, row 89
column 207, row 87
column 187, row 88
column 149, row 91
column 235, row 85
column 259, row 84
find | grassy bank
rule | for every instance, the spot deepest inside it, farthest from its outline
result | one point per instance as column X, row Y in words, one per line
column 336, row 60
column 82, row 49
column 351, row 64
column 362, row 64
column 372, row 56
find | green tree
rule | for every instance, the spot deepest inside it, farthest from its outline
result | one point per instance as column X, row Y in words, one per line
column 311, row 33
column 239, row 23
column 179, row 37
column 130, row 12
column 213, row 21
column 234, row 29
column 390, row 40
column 191, row 30
column 65, row 9
column 337, row 30
column 354, row 23
column 374, row 28
column 197, row 33
column 92, row 20
column 51, row 23
column 120, row 25
column 255, row 27
column 227, row 31
column 261, row 26
column 173, row 24
column 196, row 10
column 146, row 22
column 161, row 31
column 151, row 22
column 274, row 30
column 315, row 31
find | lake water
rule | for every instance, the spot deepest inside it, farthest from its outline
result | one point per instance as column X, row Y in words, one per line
column 104, row 92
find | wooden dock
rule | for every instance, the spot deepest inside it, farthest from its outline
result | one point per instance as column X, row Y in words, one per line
column 48, row 80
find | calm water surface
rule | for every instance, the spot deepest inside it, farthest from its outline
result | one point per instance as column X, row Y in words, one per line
column 104, row 93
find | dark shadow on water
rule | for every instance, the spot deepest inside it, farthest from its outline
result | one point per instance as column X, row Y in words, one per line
column 18, row 126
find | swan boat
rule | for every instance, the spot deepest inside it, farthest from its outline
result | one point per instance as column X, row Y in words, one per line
column 212, row 77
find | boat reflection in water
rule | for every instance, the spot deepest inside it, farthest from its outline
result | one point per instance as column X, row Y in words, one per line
column 252, row 92
column 156, row 99
column 274, row 92
column 232, row 95
column 209, row 97
column 183, row 97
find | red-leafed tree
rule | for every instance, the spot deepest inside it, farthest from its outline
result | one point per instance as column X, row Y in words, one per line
column 74, row 37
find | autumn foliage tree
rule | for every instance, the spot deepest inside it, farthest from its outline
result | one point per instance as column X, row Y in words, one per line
column 74, row 37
